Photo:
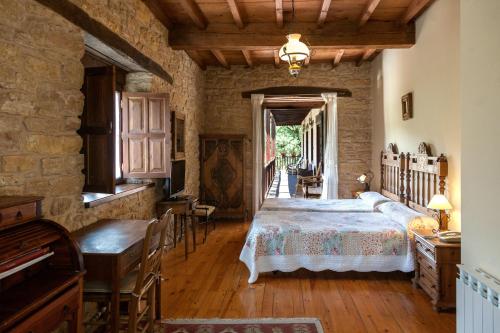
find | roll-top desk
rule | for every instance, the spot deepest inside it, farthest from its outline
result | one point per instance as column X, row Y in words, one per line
column 41, row 270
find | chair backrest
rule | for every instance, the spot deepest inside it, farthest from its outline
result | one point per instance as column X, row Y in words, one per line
column 318, row 170
column 152, row 251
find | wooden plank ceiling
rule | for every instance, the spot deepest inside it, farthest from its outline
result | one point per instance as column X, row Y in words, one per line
column 250, row 32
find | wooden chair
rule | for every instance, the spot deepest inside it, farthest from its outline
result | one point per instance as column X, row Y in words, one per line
column 312, row 185
column 205, row 212
column 138, row 288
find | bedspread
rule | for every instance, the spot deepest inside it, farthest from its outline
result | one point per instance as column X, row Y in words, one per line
column 289, row 240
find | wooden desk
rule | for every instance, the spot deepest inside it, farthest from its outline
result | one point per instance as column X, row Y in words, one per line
column 111, row 249
column 181, row 208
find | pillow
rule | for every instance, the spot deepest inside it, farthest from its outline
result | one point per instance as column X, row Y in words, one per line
column 407, row 217
column 373, row 198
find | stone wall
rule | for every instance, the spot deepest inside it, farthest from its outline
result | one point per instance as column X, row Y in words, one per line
column 228, row 112
column 40, row 102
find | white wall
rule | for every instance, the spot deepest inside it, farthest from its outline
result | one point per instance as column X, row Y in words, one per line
column 480, row 111
column 430, row 70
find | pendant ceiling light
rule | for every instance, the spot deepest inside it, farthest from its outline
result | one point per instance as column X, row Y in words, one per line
column 295, row 53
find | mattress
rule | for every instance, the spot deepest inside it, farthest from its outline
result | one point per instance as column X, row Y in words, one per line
column 289, row 240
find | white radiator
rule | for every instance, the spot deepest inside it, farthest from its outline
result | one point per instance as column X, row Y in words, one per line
column 478, row 309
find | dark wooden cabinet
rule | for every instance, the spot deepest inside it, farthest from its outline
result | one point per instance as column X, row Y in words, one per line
column 41, row 270
column 436, row 269
column 222, row 174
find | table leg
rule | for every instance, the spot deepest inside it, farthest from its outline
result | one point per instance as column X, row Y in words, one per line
column 206, row 228
column 115, row 299
column 185, row 236
column 193, row 228
column 175, row 230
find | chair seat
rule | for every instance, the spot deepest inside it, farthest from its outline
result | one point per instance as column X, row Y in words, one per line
column 203, row 210
column 100, row 287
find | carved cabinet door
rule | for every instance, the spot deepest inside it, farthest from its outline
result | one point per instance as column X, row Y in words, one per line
column 222, row 174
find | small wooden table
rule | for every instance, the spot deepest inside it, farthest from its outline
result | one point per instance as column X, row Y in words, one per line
column 181, row 208
column 111, row 249
column 436, row 268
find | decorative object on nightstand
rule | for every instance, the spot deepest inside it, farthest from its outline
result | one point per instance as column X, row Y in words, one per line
column 435, row 268
column 366, row 179
column 440, row 204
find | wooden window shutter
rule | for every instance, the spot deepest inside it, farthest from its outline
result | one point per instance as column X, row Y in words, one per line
column 145, row 135
column 97, row 129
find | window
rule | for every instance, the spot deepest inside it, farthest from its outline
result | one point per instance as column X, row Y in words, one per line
column 122, row 143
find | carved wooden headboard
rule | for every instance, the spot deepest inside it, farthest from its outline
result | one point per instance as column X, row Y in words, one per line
column 392, row 171
column 425, row 176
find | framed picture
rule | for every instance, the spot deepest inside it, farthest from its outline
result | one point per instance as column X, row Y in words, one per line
column 407, row 106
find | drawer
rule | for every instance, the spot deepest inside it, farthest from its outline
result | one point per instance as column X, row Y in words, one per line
column 49, row 318
column 18, row 214
column 428, row 285
column 424, row 248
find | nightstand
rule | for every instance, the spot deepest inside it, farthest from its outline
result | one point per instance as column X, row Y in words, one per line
column 435, row 268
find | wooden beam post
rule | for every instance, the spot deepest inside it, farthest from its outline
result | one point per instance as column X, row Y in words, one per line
column 195, row 55
column 195, row 13
column 248, row 57
column 415, row 8
column 367, row 54
column 325, row 7
column 82, row 19
column 266, row 36
column 235, row 11
column 158, row 12
column 220, row 57
column 279, row 13
column 338, row 58
column 276, row 58
column 368, row 11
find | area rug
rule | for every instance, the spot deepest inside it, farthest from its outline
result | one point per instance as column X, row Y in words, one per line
column 258, row 325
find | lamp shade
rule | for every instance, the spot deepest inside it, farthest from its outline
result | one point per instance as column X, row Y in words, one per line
column 439, row 202
column 294, row 50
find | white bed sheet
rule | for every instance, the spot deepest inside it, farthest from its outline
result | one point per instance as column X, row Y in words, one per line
column 316, row 205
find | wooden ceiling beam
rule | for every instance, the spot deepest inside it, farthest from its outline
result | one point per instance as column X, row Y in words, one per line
column 338, row 58
column 371, row 5
column 366, row 55
column 276, row 58
column 325, row 7
column 266, row 36
column 220, row 58
column 195, row 55
column 415, row 8
column 235, row 11
column 248, row 57
column 279, row 13
column 159, row 13
column 195, row 13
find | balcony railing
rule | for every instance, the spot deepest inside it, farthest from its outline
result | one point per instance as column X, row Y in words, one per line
column 269, row 173
column 283, row 161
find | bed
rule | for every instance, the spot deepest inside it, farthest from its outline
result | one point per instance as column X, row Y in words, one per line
column 287, row 240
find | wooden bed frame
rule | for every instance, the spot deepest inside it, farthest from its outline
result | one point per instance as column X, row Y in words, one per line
column 414, row 178
column 392, row 173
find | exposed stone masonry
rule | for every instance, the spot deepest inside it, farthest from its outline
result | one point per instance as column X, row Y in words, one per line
column 226, row 106
column 40, row 103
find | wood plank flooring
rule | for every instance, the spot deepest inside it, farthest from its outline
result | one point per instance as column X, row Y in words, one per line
column 213, row 283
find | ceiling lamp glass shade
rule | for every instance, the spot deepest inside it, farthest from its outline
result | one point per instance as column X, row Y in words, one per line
column 295, row 53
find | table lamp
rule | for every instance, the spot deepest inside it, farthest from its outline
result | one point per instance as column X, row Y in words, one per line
column 366, row 178
column 439, row 203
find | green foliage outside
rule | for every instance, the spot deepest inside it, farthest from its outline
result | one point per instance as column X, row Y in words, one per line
column 288, row 140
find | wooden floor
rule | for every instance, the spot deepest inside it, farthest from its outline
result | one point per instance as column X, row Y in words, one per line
column 213, row 283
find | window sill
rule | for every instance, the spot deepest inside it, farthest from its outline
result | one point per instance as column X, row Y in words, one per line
column 96, row 199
